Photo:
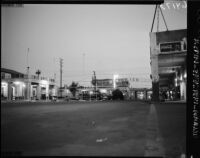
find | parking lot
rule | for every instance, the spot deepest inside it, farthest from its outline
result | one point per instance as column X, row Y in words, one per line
column 99, row 128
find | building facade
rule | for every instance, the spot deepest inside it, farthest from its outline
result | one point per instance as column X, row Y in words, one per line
column 126, row 86
column 168, row 53
column 19, row 86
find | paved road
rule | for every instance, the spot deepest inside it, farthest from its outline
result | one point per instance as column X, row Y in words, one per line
column 123, row 128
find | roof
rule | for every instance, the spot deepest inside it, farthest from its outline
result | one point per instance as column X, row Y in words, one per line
column 104, row 79
column 10, row 71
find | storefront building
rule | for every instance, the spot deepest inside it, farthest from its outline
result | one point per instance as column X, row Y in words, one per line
column 126, row 86
column 168, row 53
column 19, row 86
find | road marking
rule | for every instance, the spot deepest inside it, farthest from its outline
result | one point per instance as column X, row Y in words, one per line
column 154, row 140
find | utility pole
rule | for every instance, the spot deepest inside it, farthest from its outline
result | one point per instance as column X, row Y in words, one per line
column 95, row 81
column 28, row 84
column 61, row 66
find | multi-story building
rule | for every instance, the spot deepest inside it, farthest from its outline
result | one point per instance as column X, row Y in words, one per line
column 16, row 85
column 168, row 51
column 104, row 85
column 108, row 85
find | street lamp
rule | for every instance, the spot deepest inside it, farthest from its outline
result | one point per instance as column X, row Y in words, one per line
column 185, row 75
column 116, row 76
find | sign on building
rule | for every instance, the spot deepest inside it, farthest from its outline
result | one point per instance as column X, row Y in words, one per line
column 170, row 47
column 105, row 83
column 122, row 82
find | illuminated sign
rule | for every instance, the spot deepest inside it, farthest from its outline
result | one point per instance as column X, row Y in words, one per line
column 170, row 47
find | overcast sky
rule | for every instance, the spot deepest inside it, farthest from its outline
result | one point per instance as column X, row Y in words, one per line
column 107, row 39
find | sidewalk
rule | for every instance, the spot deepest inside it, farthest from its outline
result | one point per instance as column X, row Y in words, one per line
column 58, row 101
column 175, row 101
column 172, row 125
column 25, row 101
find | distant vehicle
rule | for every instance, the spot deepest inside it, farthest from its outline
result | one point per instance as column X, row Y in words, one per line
column 74, row 98
column 54, row 98
column 96, row 96
column 104, row 97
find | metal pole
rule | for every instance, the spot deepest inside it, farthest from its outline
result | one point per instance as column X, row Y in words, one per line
column 95, row 80
column 96, row 87
column 28, row 85
column 61, row 65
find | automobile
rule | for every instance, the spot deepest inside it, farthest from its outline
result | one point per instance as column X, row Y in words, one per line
column 54, row 98
column 104, row 97
column 74, row 98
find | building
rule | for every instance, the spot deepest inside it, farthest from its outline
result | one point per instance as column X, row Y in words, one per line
column 140, row 93
column 108, row 85
column 126, row 86
column 104, row 85
column 168, row 51
column 19, row 86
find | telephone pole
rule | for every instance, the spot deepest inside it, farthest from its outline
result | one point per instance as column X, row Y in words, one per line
column 95, row 81
column 61, row 66
column 28, row 82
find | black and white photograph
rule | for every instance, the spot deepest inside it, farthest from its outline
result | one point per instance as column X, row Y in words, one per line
column 94, row 79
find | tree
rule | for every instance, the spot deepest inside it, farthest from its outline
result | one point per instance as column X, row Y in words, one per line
column 93, row 81
column 38, row 72
column 73, row 88
column 117, row 95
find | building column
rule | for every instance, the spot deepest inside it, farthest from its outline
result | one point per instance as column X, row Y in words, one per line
column 9, row 91
column 154, row 51
column 155, row 91
column 28, row 90
column 183, row 90
column 47, row 92
column 155, row 78
column 38, row 92
column 135, row 95
column 146, row 96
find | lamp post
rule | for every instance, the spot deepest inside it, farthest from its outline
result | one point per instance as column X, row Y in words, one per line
column 116, row 76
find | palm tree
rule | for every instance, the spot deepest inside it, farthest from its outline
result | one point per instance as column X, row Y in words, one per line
column 38, row 72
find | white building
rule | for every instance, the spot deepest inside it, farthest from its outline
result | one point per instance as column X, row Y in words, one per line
column 18, row 86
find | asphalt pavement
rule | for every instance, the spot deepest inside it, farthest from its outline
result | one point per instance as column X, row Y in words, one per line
column 101, row 128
